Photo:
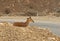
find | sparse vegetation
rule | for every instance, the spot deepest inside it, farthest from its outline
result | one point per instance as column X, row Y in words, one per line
column 24, row 5
column 31, row 14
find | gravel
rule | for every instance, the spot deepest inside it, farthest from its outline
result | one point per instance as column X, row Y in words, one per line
column 13, row 33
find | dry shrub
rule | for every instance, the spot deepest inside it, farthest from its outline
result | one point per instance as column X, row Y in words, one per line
column 7, row 11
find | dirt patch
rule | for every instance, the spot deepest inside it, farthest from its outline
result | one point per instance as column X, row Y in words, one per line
column 12, row 33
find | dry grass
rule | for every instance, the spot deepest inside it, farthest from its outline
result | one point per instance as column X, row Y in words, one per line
column 12, row 33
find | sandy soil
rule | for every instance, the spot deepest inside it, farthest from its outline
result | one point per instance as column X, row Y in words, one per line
column 12, row 33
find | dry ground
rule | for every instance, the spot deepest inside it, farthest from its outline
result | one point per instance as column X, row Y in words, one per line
column 12, row 33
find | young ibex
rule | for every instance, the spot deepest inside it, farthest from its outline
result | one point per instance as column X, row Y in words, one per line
column 23, row 24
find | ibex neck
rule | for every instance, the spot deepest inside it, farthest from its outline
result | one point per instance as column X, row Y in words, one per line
column 27, row 22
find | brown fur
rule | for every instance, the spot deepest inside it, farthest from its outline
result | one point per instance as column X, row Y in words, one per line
column 23, row 24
